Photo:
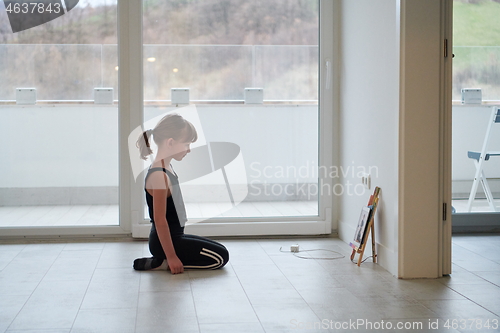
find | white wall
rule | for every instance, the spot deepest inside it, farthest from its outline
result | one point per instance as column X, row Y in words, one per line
column 369, row 111
column 58, row 146
column 271, row 137
column 68, row 154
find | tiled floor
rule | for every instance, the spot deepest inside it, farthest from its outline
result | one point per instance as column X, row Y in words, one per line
column 91, row 287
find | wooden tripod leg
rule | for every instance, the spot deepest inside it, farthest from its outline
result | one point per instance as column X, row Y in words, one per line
column 353, row 254
column 361, row 251
column 374, row 251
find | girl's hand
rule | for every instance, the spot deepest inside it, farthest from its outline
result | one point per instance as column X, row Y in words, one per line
column 175, row 265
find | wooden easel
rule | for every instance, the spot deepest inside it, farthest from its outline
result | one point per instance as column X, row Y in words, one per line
column 372, row 203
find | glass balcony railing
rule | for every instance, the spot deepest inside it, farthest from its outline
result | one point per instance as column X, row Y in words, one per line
column 58, row 72
column 477, row 67
column 212, row 72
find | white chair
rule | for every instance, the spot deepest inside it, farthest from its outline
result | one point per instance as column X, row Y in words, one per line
column 479, row 158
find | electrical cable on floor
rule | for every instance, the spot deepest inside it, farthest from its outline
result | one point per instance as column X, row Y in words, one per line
column 302, row 257
column 362, row 261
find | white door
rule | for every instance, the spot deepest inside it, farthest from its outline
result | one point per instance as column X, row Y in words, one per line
column 260, row 90
column 59, row 122
column 477, row 57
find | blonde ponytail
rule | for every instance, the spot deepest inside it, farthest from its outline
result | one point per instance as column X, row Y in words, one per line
column 143, row 144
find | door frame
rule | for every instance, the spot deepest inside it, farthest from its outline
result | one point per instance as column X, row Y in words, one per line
column 446, row 136
column 424, row 242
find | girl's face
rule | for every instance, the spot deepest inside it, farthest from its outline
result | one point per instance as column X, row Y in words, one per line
column 180, row 149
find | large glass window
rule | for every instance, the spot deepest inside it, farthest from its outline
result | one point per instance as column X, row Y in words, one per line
column 476, row 65
column 59, row 119
column 476, row 46
column 251, row 68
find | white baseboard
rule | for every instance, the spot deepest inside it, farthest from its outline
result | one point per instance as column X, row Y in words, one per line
column 215, row 229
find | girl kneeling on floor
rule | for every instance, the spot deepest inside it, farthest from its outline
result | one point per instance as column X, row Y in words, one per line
column 170, row 246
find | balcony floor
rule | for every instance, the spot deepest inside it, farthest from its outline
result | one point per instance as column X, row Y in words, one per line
column 87, row 215
column 478, row 206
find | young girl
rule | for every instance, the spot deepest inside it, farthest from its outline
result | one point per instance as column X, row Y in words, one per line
column 168, row 244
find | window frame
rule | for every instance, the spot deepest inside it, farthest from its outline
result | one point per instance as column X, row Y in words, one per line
column 92, row 231
column 323, row 223
column 131, row 99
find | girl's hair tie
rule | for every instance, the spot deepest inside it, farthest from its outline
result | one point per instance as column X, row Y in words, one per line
column 146, row 134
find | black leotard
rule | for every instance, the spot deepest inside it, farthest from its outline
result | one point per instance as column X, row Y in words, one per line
column 175, row 224
column 193, row 251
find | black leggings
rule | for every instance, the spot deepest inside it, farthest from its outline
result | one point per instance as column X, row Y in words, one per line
column 193, row 251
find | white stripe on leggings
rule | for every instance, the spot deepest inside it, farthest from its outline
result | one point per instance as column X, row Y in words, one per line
column 215, row 256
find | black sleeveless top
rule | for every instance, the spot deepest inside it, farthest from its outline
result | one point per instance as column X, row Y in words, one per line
column 176, row 212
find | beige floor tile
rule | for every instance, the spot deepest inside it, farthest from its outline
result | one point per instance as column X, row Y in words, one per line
column 232, row 328
column 91, row 287
column 105, row 321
